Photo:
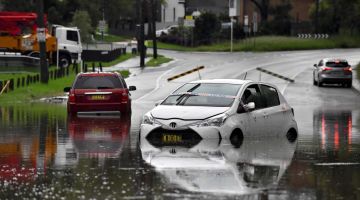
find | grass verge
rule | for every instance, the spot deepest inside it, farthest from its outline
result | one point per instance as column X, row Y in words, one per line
column 111, row 38
column 38, row 90
column 157, row 62
column 120, row 59
column 272, row 43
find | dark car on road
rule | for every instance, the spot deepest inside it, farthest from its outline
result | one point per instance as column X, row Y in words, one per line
column 332, row 71
column 100, row 93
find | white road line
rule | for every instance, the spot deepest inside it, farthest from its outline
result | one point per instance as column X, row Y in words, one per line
column 336, row 164
column 157, row 85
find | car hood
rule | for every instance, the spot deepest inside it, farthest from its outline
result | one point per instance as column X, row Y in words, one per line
column 186, row 112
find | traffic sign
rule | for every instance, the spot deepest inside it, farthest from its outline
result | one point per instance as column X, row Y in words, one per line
column 41, row 34
column 102, row 25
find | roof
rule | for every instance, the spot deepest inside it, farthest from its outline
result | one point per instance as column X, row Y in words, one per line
column 228, row 81
column 98, row 73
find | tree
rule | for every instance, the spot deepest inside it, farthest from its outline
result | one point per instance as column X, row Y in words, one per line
column 207, row 28
column 81, row 19
column 337, row 16
column 263, row 6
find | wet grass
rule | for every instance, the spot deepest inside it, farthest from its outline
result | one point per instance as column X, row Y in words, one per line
column 120, row 59
column 358, row 71
column 111, row 38
column 159, row 61
column 272, row 43
column 38, row 90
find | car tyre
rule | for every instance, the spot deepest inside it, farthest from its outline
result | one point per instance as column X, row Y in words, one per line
column 319, row 83
column 291, row 135
column 314, row 82
column 236, row 138
column 349, row 84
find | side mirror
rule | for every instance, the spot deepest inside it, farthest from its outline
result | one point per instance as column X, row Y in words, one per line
column 132, row 88
column 67, row 89
column 249, row 107
column 315, row 65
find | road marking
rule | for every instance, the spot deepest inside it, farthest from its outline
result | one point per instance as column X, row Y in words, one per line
column 157, row 85
column 336, row 164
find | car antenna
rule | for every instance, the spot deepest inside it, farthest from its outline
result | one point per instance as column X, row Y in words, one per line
column 245, row 75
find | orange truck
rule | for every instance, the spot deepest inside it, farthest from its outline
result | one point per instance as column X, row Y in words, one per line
column 18, row 33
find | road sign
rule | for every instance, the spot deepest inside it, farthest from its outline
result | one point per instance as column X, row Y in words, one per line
column 102, row 25
column 189, row 23
column 255, row 22
column 41, row 34
column 246, row 20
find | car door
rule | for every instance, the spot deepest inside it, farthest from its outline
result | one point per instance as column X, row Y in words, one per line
column 253, row 119
column 316, row 70
column 273, row 113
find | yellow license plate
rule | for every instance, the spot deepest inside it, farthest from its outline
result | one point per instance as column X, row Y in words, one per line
column 170, row 138
column 98, row 97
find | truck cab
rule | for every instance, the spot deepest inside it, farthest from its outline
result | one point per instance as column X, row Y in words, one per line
column 69, row 44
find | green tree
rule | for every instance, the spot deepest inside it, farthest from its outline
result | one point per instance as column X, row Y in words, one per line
column 336, row 16
column 81, row 19
column 207, row 28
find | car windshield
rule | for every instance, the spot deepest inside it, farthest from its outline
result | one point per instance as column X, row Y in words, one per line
column 98, row 82
column 204, row 94
column 337, row 64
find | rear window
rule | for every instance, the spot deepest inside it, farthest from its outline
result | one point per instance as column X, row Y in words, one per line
column 98, row 82
column 337, row 64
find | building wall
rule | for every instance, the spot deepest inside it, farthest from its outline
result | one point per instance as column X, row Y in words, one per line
column 172, row 11
column 214, row 6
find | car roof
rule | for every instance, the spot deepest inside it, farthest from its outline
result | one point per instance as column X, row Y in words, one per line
column 225, row 81
column 98, row 73
column 334, row 59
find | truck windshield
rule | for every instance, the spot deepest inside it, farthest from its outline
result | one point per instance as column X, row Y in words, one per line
column 98, row 82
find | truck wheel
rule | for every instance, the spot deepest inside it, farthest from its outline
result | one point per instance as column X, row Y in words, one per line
column 64, row 60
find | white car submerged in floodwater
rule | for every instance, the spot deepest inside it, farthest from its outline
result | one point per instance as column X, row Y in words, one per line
column 221, row 108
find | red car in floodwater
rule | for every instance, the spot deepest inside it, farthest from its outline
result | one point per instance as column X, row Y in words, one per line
column 99, row 92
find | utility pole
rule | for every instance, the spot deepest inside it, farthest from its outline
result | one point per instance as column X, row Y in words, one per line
column 317, row 16
column 41, row 37
column 153, row 21
column 141, row 35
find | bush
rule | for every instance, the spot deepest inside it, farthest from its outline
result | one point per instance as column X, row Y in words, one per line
column 207, row 28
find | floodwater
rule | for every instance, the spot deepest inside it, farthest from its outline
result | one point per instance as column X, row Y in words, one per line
column 46, row 155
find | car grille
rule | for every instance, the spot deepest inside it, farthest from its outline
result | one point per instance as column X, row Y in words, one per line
column 162, row 137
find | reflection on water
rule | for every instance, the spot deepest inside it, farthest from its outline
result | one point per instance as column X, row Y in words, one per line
column 334, row 127
column 213, row 167
column 43, row 153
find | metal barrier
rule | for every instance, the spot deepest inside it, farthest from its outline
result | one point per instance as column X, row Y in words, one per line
column 276, row 75
column 186, row 73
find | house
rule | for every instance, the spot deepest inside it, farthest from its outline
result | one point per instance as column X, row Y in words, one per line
column 214, row 6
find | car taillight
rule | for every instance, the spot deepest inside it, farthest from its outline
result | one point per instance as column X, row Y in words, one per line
column 293, row 112
column 325, row 68
column 71, row 98
column 348, row 69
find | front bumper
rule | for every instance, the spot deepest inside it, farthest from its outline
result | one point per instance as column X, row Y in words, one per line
column 204, row 132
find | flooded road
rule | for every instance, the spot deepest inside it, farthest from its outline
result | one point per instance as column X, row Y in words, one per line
column 46, row 155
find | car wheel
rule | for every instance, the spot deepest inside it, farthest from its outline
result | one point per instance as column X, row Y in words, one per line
column 291, row 135
column 236, row 138
column 314, row 82
column 349, row 84
column 319, row 83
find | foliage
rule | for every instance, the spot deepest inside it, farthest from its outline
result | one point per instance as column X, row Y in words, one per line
column 338, row 16
column 280, row 23
column 157, row 62
column 81, row 19
column 358, row 71
column 273, row 43
column 207, row 28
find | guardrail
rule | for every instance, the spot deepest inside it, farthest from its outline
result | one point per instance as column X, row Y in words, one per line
column 275, row 74
column 186, row 73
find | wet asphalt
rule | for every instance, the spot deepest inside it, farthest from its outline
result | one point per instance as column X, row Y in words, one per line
column 44, row 154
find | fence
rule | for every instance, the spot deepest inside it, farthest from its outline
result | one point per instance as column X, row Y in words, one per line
column 24, row 81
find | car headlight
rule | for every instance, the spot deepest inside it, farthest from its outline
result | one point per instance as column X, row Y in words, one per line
column 148, row 119
column 218, row 121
